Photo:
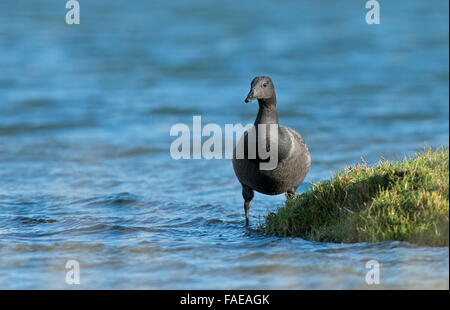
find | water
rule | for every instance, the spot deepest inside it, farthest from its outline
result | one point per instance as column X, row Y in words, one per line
column 85, row 114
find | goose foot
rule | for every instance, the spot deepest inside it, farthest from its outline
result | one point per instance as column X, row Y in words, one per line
column 289, row 195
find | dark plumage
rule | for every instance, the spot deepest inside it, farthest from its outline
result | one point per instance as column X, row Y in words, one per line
column 293, row 154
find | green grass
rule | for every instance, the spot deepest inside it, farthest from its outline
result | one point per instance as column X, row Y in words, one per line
column 404, row 201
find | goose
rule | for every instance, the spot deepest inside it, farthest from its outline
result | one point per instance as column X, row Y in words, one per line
column 292, row 159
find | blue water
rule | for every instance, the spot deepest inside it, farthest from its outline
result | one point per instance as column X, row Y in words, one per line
column 85, row 115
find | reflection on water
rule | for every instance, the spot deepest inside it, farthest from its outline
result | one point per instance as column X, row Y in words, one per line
column 85, row 114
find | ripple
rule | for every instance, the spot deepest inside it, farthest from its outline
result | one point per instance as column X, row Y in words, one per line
column 120, row 199
column 33, row 221
column 33, row 128
column 141, row 151
column 174, row 111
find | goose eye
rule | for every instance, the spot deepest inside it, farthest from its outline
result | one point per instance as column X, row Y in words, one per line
column 265, row 85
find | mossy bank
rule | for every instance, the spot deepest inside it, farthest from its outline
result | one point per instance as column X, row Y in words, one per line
column 404, row 201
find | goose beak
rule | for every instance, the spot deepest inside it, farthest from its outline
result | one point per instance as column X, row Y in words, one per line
column 251, row 96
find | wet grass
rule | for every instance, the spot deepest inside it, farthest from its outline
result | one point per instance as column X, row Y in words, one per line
column 404, row 201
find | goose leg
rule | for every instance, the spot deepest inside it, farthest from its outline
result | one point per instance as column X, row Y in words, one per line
column 290, row 194
column 248, row 194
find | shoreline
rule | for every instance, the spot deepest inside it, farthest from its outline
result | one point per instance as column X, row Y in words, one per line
column 390, row 201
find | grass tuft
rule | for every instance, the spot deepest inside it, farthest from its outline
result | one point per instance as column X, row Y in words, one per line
column 404, row 201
